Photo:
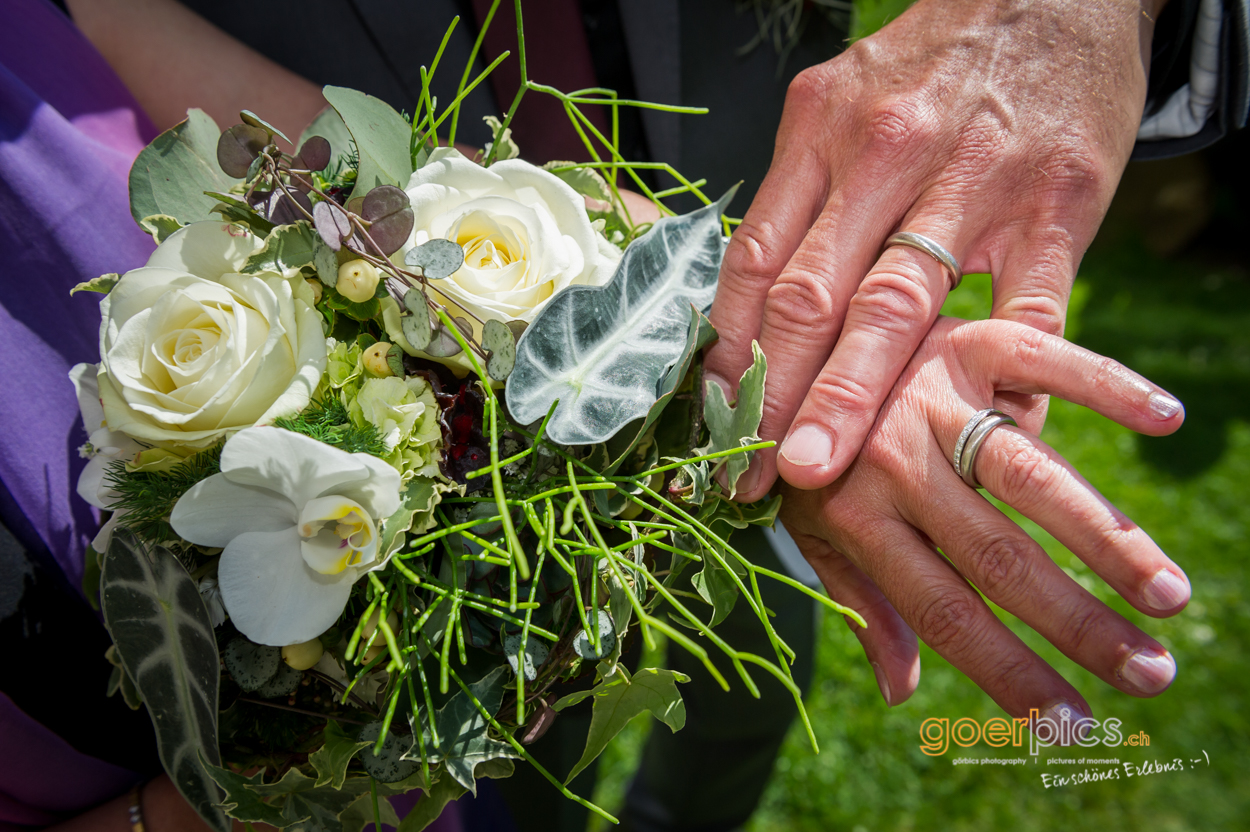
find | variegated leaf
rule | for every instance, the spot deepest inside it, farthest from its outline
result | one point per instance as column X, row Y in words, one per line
column 602, row 351
column 153, row 610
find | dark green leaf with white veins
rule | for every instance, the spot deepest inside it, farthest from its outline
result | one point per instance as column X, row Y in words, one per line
column 381, row 137
column 172, row 173
column 153, row 610
column 602, row 351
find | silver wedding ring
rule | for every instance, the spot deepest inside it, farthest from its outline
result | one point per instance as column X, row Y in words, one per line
column 972, row 437
column 922, row 243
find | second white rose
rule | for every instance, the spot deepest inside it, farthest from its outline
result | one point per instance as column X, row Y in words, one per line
column 524, row 231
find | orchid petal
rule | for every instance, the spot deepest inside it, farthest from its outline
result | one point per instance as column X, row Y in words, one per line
column 215, row 510
column 272, row 595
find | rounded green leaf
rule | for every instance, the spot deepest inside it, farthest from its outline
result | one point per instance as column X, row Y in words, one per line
column 498, row 341
column 251, row 665
column 238, row 147
column 436, row 258
column 387, row 767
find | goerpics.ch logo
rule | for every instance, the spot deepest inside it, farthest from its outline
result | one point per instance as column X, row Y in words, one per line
column 1063, row 728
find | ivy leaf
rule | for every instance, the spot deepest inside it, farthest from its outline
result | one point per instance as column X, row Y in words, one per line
column 330, row 761
column 160, row 226
column 501, row 146
column 154, row 613
column 716, row 586
column 360, row 814
column 381, row 137
column 602, row 351
column 736, row 426
column 235, row 210
column 586, row 181
column 446, row 789
column 172, row 173
column 287, row 249
column 242, row 802
column 618, row 701
column 463, row 733
column 416, row 507
column 102, row 284
column 317, row 807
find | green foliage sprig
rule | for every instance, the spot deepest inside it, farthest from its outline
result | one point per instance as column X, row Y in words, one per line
column 147, row 498
column 326, row 420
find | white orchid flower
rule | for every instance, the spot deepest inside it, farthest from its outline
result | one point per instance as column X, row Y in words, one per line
column 299, row 522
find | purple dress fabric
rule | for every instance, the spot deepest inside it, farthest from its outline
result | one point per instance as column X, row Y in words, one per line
column 69, row 131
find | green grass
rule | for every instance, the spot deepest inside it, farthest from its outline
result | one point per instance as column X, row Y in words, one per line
column 1187, row 326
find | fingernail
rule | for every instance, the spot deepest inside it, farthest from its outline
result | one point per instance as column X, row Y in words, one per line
column 750, row 477
column 1061, row 711
column 1148, row 671
column 883, row 683
column 808, row 446
column 1164, row 406
column 1166, row 591
column 719, row 381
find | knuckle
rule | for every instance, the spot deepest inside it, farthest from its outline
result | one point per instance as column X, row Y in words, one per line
column 808, row 88
column 754, row 253
column 1071, row 168
column 802, row 298
column 1027, row 475
column 893, row 300
column 897, row 127
column 945, row 618
column 1076, row 630
column 1028, row 348
column 1002, row 568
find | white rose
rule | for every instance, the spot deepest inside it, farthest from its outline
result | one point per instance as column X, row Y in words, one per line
column 191, row 349
column 524, row 231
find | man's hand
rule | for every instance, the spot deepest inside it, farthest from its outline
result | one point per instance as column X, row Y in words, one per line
column 874, row 536
column 998, row 129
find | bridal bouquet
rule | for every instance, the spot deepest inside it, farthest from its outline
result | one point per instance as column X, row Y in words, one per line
column 395, row 441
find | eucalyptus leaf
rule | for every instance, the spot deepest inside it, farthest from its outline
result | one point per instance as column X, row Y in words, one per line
column 442, row 343
column 329, row 125
column 283, row 683
column 381, row 137
column 251, row 665
column 332, row 224
column 736, row 426
column 602, row 351
column 157, row 619
column 436, row 258
column 390, row 213
column 238, row 147
column 584, row 647
column 395, row 360
column 315, row 153
column 102, row 284
column 172, row 173
column 417, row 328
column 327, row 265
column 535, row 654
column 498, row 341
column 390, row 765
column 620, row 700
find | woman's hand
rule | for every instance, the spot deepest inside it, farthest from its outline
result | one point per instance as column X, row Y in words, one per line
column 874, row 535
column 999, row 129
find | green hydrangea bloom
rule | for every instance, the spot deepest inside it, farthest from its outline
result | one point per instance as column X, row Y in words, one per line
column 405, row 413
